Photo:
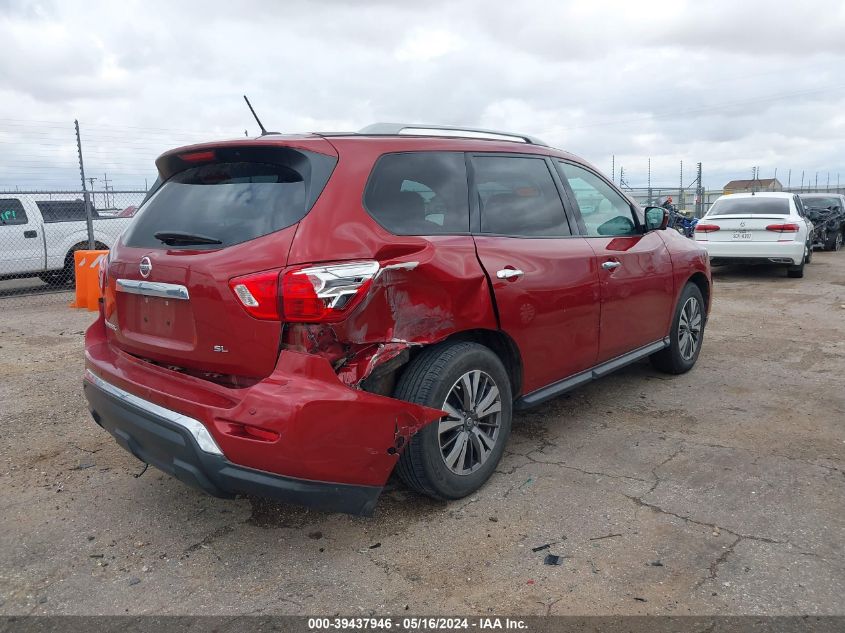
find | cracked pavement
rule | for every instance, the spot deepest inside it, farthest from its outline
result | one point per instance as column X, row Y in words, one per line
column 718, row 492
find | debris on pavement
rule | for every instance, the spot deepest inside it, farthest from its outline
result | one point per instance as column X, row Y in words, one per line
column 552, row 559
column 599, row 538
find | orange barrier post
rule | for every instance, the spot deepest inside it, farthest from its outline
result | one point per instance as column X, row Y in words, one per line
column 80, row 280
column 93, row 283
column 86, row 266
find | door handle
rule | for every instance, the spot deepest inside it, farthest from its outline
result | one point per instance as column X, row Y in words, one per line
column 30, row 233
column 610, row 265
column 509, row 273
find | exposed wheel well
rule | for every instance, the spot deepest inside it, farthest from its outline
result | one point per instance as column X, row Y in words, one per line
column 500, row 343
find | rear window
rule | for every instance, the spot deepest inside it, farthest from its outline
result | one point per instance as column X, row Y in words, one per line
column 755, row 205
column 419, row 193
column 232, row 201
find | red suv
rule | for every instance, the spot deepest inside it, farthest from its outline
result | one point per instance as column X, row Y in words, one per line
column 296, row 316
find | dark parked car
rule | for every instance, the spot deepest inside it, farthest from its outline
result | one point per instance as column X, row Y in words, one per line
column 296, row 316
column 827, row 213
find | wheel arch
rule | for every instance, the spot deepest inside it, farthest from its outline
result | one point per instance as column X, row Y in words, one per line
column 79, row 246
column 703, row 284
column 502, row 345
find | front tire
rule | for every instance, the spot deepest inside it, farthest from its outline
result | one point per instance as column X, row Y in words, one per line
column 455, row 456
column 834, row 241
column 686, row 335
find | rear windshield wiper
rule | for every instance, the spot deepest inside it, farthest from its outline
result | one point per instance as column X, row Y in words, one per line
column 173, row 238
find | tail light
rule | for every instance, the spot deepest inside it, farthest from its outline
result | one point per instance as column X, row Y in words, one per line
column 259, row 294
column 103, row 273
column 325, row 293
column 783, row 228
column 706, row 228
column 310, row 294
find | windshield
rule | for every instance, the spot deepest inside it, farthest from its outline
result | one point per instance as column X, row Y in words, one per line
column 820, row 203
column 752, row 205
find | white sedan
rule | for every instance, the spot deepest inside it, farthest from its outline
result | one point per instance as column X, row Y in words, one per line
column 757, row 228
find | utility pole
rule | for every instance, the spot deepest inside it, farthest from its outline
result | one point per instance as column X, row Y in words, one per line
column 106, row 189
column 699, row 194
column 650, row 201
column 817, row 181
column 681, row 188
column 613, row 167
column 789, row 180
column 802, row 180
column 89, row 213
column 827, row 188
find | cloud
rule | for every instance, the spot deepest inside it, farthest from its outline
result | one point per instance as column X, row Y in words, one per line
column 731, row 85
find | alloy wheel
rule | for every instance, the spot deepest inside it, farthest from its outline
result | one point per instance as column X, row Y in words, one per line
column 689, row 328
column 470, row 430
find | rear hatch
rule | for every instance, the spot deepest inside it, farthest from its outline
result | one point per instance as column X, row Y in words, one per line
column 221, row 211
column 747, row 219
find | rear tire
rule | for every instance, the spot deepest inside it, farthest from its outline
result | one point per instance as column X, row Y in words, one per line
column 686, row 335
column 453, row 457
column 834, row 241
column 795, row 272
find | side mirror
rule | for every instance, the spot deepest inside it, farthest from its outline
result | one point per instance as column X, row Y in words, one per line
column 656, row 218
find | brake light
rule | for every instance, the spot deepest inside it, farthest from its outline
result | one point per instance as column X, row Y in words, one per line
column 325, row 293
column 103, row 273
column 259, row 294
column 783, row 228
column 706, row 228
column 197, row 157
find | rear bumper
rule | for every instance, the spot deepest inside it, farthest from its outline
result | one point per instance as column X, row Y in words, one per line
column 755, row 252
column 182, row 448
column 334, row 447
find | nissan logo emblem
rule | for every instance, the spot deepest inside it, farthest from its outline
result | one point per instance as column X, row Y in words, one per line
column 145, row 267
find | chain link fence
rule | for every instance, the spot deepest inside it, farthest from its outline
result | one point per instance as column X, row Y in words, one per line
column 698, row 200
column 40, row 230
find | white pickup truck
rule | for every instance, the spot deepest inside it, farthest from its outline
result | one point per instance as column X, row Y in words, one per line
column 38, row 236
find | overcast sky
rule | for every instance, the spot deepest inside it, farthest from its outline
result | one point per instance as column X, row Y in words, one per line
column 732, row 84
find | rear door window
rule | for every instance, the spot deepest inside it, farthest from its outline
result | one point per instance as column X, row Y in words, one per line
column 752, row 205
column 64, row 211
column 232, row 201
column 518, row 197
column 419, row 193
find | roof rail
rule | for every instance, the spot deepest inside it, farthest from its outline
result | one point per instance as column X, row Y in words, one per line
column 419, row 129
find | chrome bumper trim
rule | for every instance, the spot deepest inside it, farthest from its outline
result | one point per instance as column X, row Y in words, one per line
column 204, row 439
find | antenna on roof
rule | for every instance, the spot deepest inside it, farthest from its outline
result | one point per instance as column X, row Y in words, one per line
column 257, row 120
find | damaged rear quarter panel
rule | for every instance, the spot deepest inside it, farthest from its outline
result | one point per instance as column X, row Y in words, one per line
column 428, row 287
column 418, row 299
